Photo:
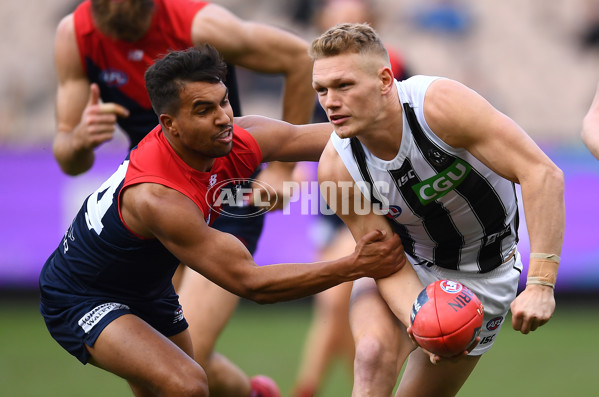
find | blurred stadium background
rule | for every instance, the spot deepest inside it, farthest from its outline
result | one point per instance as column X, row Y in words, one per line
column 536, row 60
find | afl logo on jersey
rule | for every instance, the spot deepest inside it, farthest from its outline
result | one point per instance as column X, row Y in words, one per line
column 394, row 211
column 114, row 77
column 135, row 55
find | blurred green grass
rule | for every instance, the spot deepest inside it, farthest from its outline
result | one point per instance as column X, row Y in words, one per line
column 559, row 359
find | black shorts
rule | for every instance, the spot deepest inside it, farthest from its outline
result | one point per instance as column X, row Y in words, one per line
column 81, row 321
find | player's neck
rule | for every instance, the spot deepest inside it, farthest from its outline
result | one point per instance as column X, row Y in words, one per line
column 383, row 138
column 192, row 158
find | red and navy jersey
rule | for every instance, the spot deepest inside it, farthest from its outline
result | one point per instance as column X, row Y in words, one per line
column 118, row 67
column 99, row 256
column 154, row 160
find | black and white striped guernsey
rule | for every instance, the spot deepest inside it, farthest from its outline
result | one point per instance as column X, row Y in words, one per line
column 449, row 208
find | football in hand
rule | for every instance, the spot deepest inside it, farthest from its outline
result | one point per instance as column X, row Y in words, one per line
column 446, row 318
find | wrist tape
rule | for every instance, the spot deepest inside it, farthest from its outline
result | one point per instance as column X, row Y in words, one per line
column 542, row 269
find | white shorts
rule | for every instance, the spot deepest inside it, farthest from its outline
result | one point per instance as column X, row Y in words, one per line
column 495, row 289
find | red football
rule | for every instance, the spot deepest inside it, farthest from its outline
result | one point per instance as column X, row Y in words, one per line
column 446, row 318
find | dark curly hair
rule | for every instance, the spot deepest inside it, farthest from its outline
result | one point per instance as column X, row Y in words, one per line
column 166, row 77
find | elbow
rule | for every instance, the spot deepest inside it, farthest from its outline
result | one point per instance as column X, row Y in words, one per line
column 69, row 170
column 555, row 176
column 67, row 167
column 71, row 167
column 300, row 65
column 558, row 174
column 263, row 299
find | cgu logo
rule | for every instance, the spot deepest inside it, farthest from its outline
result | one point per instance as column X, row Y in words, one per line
column 114, row 77
column 439, row 185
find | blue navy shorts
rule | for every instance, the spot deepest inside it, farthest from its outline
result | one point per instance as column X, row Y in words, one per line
column 75, row 321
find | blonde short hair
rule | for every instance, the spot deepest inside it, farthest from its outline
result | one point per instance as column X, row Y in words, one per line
column 356, row 38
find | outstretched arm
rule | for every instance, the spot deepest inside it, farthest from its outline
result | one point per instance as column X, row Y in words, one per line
column 155, row 211
column 590, row 126
column 463, row 119
column 282, row 141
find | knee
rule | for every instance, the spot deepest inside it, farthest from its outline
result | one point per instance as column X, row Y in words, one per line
column 372, row 354
column 189, row 383
column 202, row 354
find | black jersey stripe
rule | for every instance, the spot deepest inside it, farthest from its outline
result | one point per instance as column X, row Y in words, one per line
column 482, row 198
column 360, row 157
column 406, row 239
column 516, row 215
column 435, row 219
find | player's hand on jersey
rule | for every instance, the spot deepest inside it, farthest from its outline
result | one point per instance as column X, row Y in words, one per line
column 435, row 358
column 379, row 255
column 532, row 308
column 98, row 121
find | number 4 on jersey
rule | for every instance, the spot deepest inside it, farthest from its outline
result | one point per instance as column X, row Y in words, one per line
column 100, row 201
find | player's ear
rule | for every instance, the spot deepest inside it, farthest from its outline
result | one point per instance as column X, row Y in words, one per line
column 386, row 78
column 168, row 123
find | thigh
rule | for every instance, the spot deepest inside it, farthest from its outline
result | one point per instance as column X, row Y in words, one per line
column 130, row 348
column 370, row 317
column 335, row 299
column 369, row 314
column 207, row 308
column 421, row 378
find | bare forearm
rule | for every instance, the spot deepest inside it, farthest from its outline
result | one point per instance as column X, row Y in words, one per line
column 238, row 273
column 545, row 217
column 283, row 282
column 71, row 160
column 291, row 281
column 298, row 101
column 545, row 213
